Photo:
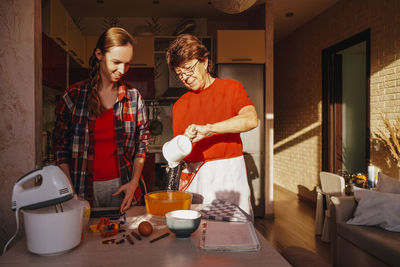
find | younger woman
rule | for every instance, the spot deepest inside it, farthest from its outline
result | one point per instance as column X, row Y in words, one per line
column 101, row 132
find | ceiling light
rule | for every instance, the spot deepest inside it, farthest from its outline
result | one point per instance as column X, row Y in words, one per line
column 232, row 6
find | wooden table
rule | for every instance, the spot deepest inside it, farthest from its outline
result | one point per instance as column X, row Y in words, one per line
column 168, row 251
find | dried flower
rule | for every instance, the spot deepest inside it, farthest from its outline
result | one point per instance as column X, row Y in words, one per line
column 390, row 137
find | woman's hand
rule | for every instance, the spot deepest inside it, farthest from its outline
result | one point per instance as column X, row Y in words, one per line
column 190, row 132
column 245, row 120
column 197, row 132
column 129, row 190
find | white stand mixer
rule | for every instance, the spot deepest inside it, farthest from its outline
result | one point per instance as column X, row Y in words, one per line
column 53, row 217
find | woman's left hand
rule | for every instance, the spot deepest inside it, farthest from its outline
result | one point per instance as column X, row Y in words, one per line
column 129, row 190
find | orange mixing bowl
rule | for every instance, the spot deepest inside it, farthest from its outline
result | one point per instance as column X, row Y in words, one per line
column 161, row 202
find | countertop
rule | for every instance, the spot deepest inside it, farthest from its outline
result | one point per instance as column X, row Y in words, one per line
column 168, row 251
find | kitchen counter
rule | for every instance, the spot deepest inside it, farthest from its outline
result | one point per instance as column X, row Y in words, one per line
column 168, row 251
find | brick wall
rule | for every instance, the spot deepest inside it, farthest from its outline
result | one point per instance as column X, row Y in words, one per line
column 298, row 86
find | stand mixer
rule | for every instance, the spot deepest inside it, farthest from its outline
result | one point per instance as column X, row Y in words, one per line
column 53, row 216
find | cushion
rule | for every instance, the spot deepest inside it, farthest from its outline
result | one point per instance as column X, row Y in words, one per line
column 384, row 245
column 387, row 184
column 377, row 209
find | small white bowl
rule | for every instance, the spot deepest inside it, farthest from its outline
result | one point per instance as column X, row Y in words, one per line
column 183, row 222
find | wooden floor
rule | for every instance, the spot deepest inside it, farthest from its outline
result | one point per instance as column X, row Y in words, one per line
column 293, row 224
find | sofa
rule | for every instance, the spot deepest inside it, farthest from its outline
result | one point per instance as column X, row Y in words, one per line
column 358, row 245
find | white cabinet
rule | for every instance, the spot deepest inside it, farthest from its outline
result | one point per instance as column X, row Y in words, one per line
column 241, row 46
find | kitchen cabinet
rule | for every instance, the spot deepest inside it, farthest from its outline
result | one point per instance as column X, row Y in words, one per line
column 60, row 26
column 54, row 64
column 75, row 42
column 76, row 72
column 241, row 46
column 84, row 56
column 161, row 43
column 141, row 79
column 143, row 56
column 166, row 84
column 58, row 23
column 91, row 41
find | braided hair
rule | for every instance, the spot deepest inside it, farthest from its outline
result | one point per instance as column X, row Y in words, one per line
column 110, row 38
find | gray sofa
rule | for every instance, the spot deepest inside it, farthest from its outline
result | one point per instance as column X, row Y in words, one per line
column 364, row 246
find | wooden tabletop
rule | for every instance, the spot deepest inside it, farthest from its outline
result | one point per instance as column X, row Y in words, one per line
column 168, row 251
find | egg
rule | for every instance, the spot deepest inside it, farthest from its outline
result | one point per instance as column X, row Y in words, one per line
column 145, row 228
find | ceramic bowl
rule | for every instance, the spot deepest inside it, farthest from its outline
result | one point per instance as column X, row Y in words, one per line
column 161, row 202
column 183, row 222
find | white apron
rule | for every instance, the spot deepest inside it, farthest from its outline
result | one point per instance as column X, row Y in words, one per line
column 224, row 179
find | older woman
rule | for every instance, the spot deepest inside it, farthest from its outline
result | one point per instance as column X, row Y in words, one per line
column 212, row 114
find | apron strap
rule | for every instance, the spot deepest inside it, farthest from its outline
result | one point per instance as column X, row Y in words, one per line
column 187, row 176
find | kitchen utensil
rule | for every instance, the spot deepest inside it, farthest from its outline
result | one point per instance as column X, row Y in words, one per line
column 161, row 202
column 49, row 232
column 54, row 188
column 176, row 150
column 53, row 218
column 173, row 176
column 183, row 222
column 107, row 228
column 155, row 125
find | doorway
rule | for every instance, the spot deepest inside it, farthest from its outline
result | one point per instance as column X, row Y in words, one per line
column 345, row 96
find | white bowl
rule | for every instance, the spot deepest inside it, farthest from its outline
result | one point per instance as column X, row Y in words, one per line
column 183, row 222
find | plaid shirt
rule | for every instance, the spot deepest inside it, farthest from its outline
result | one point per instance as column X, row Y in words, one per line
column 74, row 134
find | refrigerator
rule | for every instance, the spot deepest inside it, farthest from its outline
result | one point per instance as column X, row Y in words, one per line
column 251, row 76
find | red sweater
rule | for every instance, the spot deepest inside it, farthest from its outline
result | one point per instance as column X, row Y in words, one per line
column 222, row 100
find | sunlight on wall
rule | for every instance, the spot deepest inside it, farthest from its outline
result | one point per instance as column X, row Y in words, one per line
column 302, row 131
column 299, row 163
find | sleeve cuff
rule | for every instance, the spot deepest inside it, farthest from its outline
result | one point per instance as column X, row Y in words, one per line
column 140, row 155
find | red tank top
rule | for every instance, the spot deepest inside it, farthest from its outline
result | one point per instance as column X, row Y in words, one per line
column 105, row 148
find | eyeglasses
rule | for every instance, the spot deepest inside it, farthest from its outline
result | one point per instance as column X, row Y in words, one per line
column 187, row 71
